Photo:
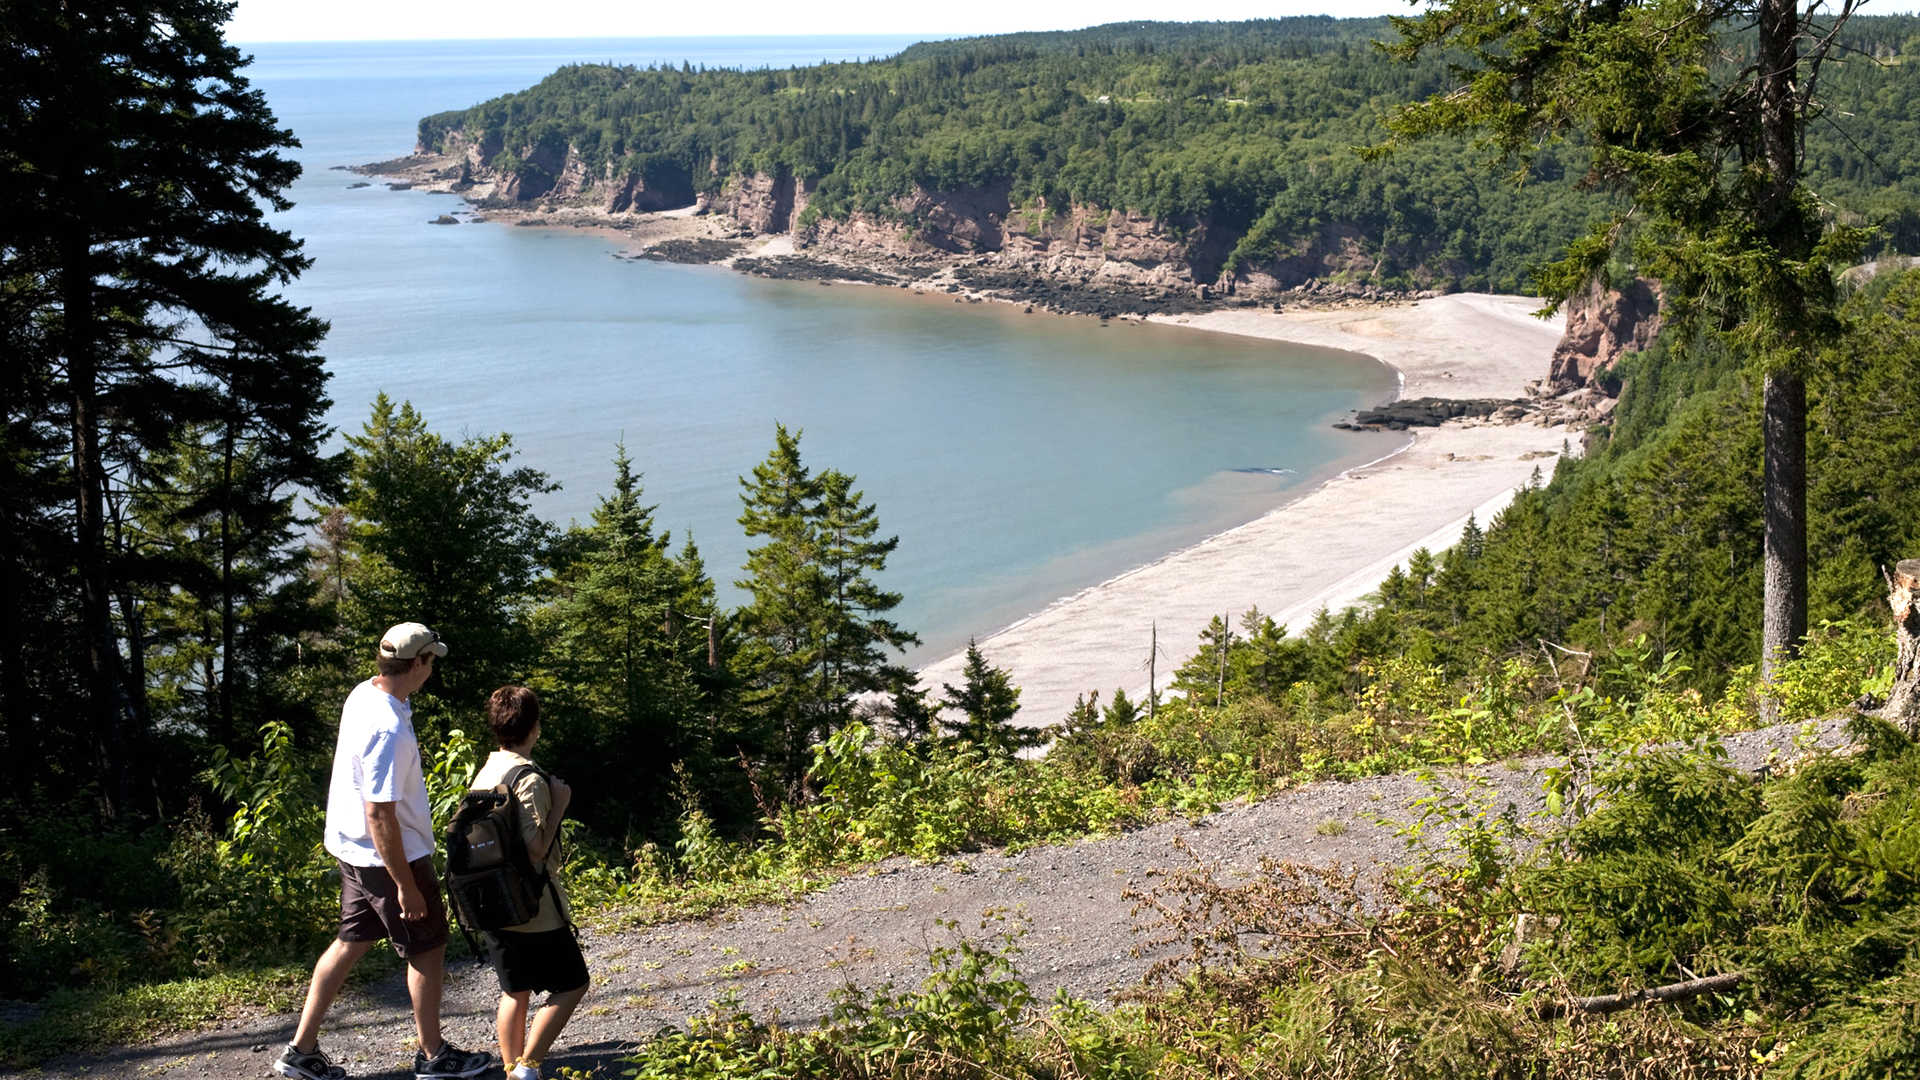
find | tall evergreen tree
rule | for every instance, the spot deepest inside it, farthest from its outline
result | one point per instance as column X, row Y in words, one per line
column 215, row 636
column 860, row 636
column 815, row 632
column 1699, row 110
column 916, row 719
column 625, row 643
column 141, row 277
column 783, row 648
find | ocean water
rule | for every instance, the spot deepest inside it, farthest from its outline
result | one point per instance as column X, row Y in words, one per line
column 1019, row 457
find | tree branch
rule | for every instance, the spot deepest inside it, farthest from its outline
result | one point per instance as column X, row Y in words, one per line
column 1608, row 1003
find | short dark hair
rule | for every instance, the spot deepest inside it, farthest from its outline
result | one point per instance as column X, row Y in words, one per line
column 392, row 666
column 512, row 712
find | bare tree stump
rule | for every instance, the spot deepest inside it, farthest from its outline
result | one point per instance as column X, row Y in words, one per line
column 1903, row 596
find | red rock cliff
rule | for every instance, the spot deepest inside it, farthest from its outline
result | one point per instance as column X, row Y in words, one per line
column 1603, row 325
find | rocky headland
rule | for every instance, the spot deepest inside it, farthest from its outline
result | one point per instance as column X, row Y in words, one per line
column 1077, row 260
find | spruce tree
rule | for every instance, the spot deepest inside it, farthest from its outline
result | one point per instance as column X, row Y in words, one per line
column 1121, row 711
column 783, row 626
column 988, row 700
column 220, row 628
column 443, row 533
column 1698, row 110
column 625, row 646
column 915, row 719
column 141, row 279
column 860, row 636
column 815, row 632
column 1199, row 677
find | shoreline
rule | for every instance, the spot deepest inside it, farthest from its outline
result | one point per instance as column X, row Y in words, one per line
column 1332, row 544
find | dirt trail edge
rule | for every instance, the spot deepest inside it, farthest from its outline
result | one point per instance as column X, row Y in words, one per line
column 783, row 962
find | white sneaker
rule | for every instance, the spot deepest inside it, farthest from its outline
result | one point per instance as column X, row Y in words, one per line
column 523, row 1071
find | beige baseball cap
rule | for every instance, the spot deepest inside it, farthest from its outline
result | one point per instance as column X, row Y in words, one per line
column 410, row 639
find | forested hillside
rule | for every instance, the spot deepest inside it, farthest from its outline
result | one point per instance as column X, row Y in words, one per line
column 1237, row 138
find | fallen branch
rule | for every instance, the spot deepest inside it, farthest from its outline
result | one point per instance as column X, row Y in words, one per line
column 1606, row 1003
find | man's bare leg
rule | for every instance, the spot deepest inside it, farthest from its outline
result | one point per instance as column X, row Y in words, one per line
column 426, row 975
column 329, row 975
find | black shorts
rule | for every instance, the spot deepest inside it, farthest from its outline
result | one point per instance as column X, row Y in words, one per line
column 370, row 908
column 548, row 960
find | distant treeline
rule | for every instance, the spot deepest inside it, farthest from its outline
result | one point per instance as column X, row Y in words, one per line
column 1243, row 131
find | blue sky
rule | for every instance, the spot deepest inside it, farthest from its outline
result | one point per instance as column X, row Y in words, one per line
column 373, row 20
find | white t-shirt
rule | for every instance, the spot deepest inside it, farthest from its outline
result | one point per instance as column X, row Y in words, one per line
column 376, row 759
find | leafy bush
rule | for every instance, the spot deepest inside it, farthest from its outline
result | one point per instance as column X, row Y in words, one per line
column 267, row 891
column 260, row 891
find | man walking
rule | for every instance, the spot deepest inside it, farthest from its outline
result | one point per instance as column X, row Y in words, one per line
column 380, row 830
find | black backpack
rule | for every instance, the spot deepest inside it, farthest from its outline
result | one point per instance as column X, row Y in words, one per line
column 491, row 880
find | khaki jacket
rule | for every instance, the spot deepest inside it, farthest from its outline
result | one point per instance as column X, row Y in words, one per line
column 536, row 804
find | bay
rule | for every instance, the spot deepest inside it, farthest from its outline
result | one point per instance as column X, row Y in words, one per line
column 1019, row 457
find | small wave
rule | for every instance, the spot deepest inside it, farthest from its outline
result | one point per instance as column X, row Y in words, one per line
column 1265, row 470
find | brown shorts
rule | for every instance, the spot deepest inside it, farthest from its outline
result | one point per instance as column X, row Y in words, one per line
column 370, row 908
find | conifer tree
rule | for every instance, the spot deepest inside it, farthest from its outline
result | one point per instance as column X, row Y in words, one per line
column 915, row 718
column 1420, row 570
column 142, row 295
column 988, row 700
column 1265, row 661
column 1122, row 710
column 444, row 534
column 1085, row 713
column 625, row 647
column 815, row 632
column 1697, row 109
column 216, row 632
column 783, row 651
column 1200, row 676
column 860, row 636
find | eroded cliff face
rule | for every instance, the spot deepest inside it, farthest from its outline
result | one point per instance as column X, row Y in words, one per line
column 1603, row 325
column 766, row 204
column 558, row 176
column 1080, row 243
column 1113, row 246
column 1083, row 244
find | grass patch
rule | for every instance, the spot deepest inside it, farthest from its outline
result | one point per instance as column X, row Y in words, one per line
column 77, row 1021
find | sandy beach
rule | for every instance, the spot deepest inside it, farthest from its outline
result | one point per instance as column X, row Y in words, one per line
column 1331, row 546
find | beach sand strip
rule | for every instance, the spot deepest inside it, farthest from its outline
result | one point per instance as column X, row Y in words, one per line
column 1331, row 546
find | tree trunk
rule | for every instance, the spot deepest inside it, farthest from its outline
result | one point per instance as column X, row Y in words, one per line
column 1785, row 603
column 1903, row 596
column 102, row 692
column 1785, row 406
column 1779, row 134
column 229, row 733
column 19, row 728
column 1153, row 671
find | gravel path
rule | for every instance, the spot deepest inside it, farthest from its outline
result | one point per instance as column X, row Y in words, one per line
column 783, row 961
